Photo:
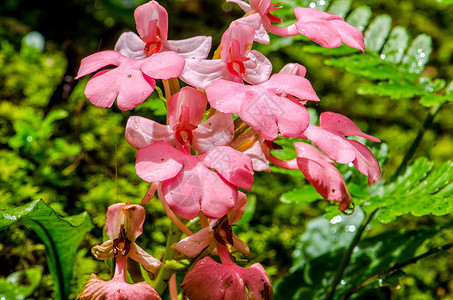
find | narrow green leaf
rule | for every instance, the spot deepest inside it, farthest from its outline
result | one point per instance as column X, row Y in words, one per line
column 61, row 236
column 359, row 17
column 377, row 33
column 418, row 54
column 397, row 42
column 340, row 7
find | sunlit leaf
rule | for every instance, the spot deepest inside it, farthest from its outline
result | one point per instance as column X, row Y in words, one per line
column 377, row 33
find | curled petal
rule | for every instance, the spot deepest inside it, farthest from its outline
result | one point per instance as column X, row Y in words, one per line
column 150, row 16
column 242, row 4
column 258, row 68
column 103, row 251
column 334, row 146
column 141, row 132
column 342, row 125
column 187, row 98
column 259, row 160
column 295, row 69
column 321, row 172
column 148, row 262
column 200, row 73
column 366, row 163
column 130, row 45
column 255, row 20
column 193, row 48
column 291, row 84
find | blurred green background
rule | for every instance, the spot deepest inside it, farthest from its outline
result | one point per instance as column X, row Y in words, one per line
column 56, row 146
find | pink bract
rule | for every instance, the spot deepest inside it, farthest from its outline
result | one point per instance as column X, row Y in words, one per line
column 185, row 112
column 209, row 280
column 237, row 61
column 208, row 181
column 266, row 107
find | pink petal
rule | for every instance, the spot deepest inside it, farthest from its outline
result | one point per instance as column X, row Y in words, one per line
column 164, row 65
column 320, row 32
column 350, row 35
column 193, row 48
column 129, row 215
column 295, row 69
column 235, row 215
column 99, row 60
column 227, row 96
column 158, row 162
column 141, row 132
column 192, row 246
column 255, row 20
column 130, row 45
column 258, row 68
column 306, row 14
column 236, row 42
column 200, row 73
column 366, row 163
column 102, row 88
column 259, row 160
column 148, row 12
column 218, row 130
column 117, row 289
column 194, row 100
column 209, row 280
column 334, row 146
column 234, row 166
column 320, row 171
column 291, row 84
column 293, row 122
column 342, row 125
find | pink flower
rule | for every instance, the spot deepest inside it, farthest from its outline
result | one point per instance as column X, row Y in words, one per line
column 152, row 26
column 266, row 107
column 193, row 245
column 237, row 62
column 321, row 172
column 185, row 112
column 133, row 79
column 208, row 181
column 330, row 138
column 209, row 280
column 123, row 225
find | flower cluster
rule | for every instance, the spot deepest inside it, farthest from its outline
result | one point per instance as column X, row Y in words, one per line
column 220, row 130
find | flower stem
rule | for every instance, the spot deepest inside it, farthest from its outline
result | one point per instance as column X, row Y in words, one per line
column 347, row 256
column 165, row 273
column 412, row 149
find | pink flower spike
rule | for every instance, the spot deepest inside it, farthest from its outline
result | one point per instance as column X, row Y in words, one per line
column 321, row 172
column 189, row 182
column 326, row 29
column 262, row 107
column 209, row 280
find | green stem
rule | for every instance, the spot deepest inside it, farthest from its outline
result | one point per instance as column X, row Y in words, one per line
column 347, row 256
column 161, row 282
column 412, row 149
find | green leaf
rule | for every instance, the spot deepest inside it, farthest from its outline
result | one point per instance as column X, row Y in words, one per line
column 422, row 190
column 359, row 17
column 393, row 50
column 377, row 33
column 300, row 195
column 418, row 54
column 61, row 236
column 340, row 7
column 394, row 89
column 20, row 284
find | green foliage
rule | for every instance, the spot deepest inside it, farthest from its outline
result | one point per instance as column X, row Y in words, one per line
column 61, row 236
column 422, row 190
column 20, row 284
